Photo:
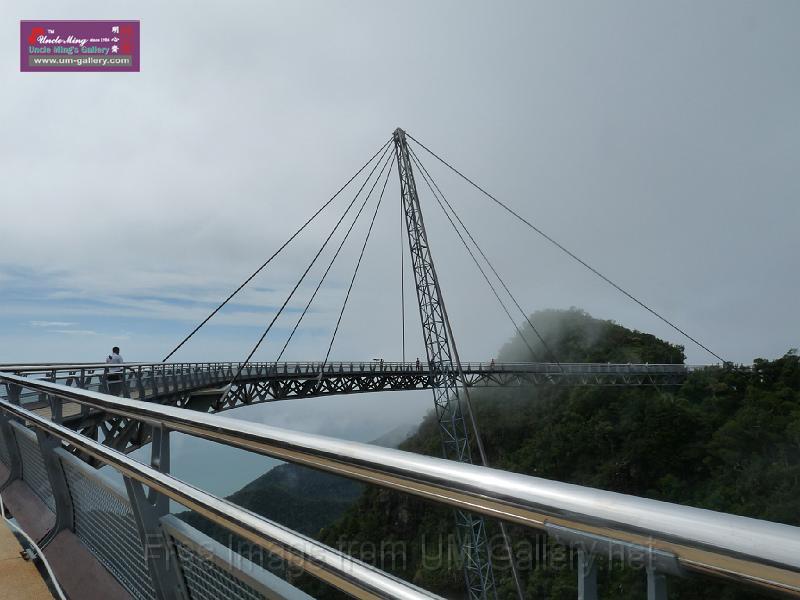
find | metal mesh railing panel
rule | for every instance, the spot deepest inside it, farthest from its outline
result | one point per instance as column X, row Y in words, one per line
column 4, row 457
column 105, row 523
column 206, row 580
column 34, row 473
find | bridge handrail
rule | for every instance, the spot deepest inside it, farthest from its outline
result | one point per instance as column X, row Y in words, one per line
column 336, row 568
column 555, row 368
column 761, row 552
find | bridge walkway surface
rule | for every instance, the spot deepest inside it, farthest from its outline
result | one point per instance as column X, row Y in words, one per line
column 20, row 578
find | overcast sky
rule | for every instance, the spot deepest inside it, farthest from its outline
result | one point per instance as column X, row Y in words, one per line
column 657, row 140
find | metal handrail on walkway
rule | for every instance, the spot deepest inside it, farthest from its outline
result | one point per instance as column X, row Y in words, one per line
column 373, row 365
column 335, row 568
column 674, row 537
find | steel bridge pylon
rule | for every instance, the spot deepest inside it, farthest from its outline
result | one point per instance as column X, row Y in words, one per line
column 445, row 373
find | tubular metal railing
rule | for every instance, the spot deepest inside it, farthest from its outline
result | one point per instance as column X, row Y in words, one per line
column 152, row 380
column 204, row 386
column 672, row 538
column 64, row 369
column 335, row 568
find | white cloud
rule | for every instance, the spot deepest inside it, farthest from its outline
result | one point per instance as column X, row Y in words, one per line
column 75, row 331
column 51, row 324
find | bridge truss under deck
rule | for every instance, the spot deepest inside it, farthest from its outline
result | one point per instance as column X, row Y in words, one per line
column 201, row 386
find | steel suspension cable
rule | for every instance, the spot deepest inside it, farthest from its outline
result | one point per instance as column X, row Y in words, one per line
column 303, row 276
column 278, row 251
column 427, row 176
column 565, row 250
column 330, row 265
column 474, row 259
column 358, row 265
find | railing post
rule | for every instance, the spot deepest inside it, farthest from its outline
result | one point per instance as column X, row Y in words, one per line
column 587, row 576
column 43, row 398
column 7, row 438
column 159, row 460
column 140, row 383
column 56, row 408
column 14, row 392
column 83, row 383
column 158, row 554
column 124, row 374
column 47, row 399
column 158, row 378
column 71, row 377
column 58, row 485
column 154, row 380
column 104, row 381
column 656, row 584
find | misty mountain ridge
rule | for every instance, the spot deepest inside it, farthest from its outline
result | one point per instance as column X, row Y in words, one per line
column 728, row 439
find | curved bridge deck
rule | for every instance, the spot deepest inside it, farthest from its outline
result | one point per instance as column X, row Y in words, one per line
column 205, row 386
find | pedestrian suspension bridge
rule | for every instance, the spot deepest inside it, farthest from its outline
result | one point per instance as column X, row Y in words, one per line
column 100, row 521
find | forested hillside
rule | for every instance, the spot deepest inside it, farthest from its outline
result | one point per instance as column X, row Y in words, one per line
column 728, row 439
column 300, row 498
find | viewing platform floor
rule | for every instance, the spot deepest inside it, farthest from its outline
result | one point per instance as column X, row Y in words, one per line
column 19, row 578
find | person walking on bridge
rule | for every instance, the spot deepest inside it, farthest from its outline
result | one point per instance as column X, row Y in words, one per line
column 114, row 373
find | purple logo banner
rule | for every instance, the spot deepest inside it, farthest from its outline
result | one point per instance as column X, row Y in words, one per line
column 79, row 45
